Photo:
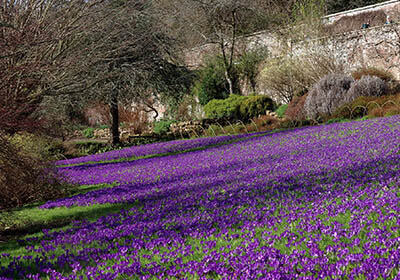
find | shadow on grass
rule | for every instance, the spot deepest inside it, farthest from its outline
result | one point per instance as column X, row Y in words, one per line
column 54, row 219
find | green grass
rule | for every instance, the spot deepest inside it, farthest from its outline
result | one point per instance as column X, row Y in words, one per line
column 30, row 220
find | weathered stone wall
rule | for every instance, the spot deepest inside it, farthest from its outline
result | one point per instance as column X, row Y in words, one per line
column 377, row 46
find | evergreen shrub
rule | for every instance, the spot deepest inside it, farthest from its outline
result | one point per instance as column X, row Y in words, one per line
column 281, row 110
column 162, row 127
column 211, row 83
column 239, row 107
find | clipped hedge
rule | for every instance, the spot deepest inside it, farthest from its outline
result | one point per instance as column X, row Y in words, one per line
column 238, row 107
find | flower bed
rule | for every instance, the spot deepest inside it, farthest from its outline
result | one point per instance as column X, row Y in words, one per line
column 311, row 203
column 153, row 149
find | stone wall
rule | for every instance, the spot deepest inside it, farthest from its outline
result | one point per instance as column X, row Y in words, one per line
column 377, row 46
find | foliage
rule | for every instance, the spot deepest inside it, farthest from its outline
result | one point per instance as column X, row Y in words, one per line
column 39, row 147
column 162, row 127
column 263, row 123
column 212, row 83
column 336, row 120
column 128, row 57
column 334, row 6
column 247, row 65
column 36, row 40
column 238, row 107
column 254, row 106
column 306, row 23
column 88, row 132
column 280, row 78
column 384, row 75
column 295, row 109
column 24, row 178
column 281, row 110
column 228, row 108
column 327, row 95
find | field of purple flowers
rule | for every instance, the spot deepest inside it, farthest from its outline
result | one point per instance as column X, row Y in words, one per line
column 153, row 149
column 311, row 203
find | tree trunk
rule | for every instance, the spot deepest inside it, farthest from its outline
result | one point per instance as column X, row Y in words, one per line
column 229, row 80
column 114, row 118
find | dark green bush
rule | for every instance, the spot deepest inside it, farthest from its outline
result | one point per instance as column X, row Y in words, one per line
column 212, row 83
column 161, row 127
column 239, row 107
column 88, row 132
column 281, row 110
column 254, row 106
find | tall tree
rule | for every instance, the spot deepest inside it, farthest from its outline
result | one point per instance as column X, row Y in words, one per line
column 35, row 38
column 127, row 58
column 222, row 23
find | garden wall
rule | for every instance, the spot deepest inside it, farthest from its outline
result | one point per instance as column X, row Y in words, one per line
column 377, row 46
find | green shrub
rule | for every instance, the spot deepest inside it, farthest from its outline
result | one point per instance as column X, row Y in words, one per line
column 88, row 132
column 212, row 83
column 254, row 106
column 104, row 126
column 161, row 127
column 224, row 109
column 238, row 107
column 248, row 65
column 281, row 110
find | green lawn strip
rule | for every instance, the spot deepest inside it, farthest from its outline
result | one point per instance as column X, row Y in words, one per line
column 170, row 153
column 29, row 222
column 32, row 215
column 82, row 189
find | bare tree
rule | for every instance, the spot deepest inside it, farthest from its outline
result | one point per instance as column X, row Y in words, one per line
column 127, row 57
column 35, row 38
